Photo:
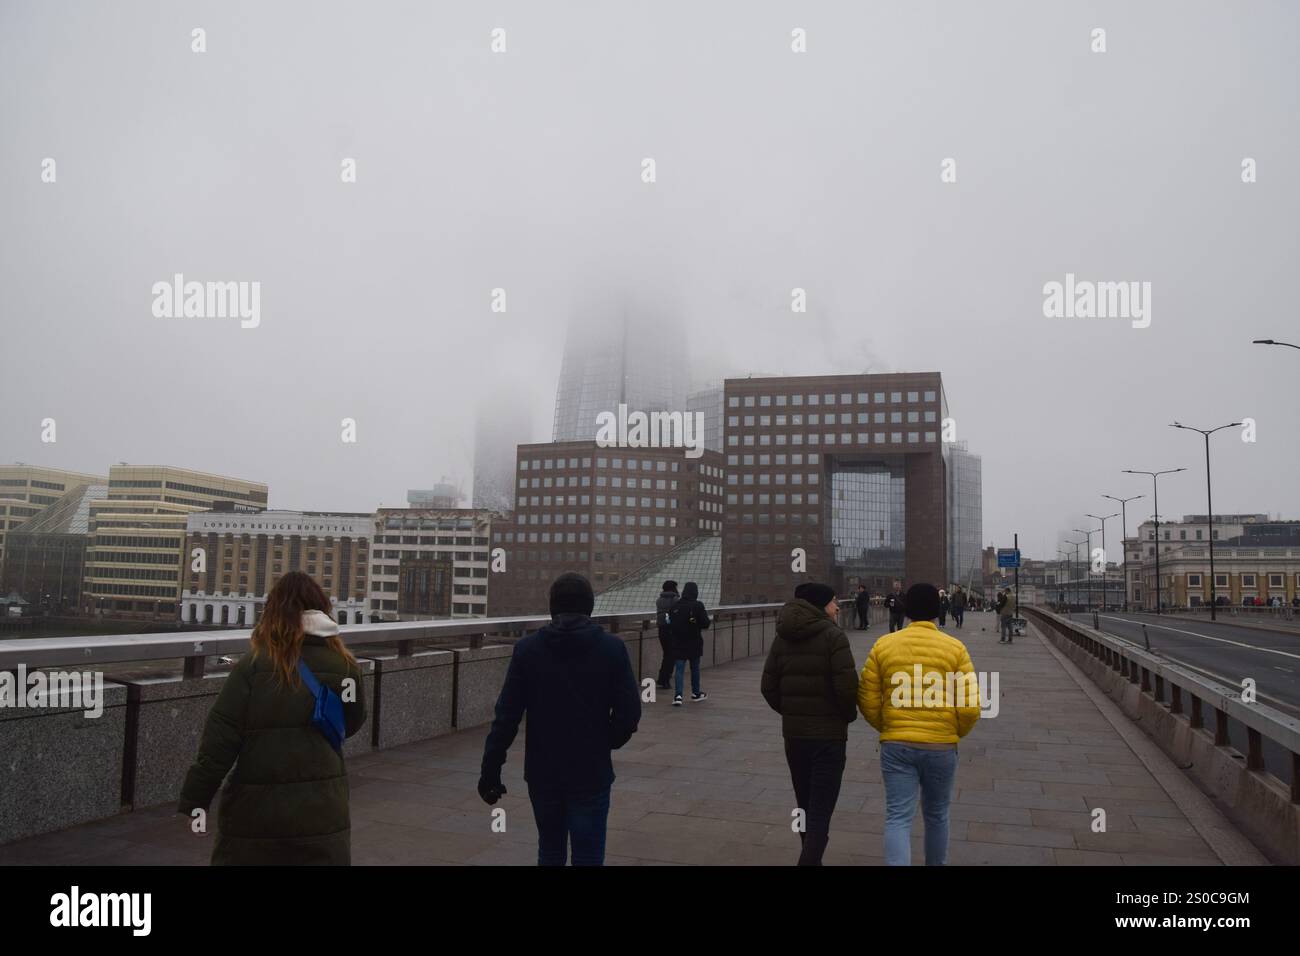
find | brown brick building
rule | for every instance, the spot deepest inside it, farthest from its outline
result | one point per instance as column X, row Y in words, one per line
column 599, row 511
column 849, row 468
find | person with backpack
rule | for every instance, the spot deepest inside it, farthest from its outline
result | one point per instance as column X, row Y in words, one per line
column 663, row 605
column 810, row 679
column 688, row 618
column 919, row 732
column 574, row 681
column 286, row 802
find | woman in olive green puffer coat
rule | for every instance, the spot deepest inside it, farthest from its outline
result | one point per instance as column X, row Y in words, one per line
column 286, row 801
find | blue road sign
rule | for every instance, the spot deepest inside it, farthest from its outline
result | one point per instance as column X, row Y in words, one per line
column 1008, row 557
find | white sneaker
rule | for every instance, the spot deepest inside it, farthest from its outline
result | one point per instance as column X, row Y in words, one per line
column 677, row 701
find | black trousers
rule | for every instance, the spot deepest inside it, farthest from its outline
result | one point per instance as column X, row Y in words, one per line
column 895, row 622
column 666, row 666
column 816, row 769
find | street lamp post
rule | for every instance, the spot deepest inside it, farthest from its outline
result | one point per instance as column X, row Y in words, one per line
column 1103, row 519
column 1209, row 502
column 1064, row 584
column 1076, row 561
column 1089, row 535
column 1271, row 342
column 1155, row 490
column 1123, row 536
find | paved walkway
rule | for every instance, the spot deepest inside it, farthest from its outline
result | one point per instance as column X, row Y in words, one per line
column 707, row 784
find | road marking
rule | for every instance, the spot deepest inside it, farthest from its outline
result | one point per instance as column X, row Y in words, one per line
column 1206, row 637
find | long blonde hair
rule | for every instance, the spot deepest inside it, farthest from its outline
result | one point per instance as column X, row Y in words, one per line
column 279, row 632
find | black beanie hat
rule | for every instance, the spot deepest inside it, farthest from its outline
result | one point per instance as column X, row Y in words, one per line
column 816, row 594
column 922, row 602
column 670, row 586
column 571, row 594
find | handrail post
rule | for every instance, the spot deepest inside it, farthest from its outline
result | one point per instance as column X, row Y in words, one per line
column 1254, row 749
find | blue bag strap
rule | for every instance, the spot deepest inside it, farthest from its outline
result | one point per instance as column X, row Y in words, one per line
column 308, row 678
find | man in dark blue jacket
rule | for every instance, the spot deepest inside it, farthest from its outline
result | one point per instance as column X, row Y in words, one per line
column 575, row 682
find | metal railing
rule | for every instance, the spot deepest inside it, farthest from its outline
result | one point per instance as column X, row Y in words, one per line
column 1183, row 691
column 196, row 647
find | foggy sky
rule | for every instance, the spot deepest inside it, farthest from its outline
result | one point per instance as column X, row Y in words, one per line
column 775, row 170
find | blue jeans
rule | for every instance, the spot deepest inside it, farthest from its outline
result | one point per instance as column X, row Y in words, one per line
column 907, row 771
column 680, row 673
column 1005, row 628
column 561, row 816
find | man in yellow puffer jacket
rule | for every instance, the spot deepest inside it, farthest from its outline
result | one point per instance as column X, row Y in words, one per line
column 919, row 690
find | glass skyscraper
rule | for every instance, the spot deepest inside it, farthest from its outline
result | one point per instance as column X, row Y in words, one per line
column 965, row 514
column 619, row 352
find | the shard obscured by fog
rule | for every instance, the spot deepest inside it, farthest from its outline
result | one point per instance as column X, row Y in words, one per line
column 502, row 422
column 624, row 346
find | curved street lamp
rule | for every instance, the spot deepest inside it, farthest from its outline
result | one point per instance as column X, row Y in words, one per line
column 1209, row 503
column 1271, row 342
column 1155, row 486
column 1123, row 536
column 1103, row 520
column 1076, row 562
column 1089, row 535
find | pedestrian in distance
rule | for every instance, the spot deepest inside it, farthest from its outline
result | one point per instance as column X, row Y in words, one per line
column 574, row 682
column 863, row 604
column 958, row 606
column 1006, row 608
column 688, row 618
column 667, row 598
column 894, row 604
column 810, row 679
column 918, row 734
column 944, row 604
column 286, row 802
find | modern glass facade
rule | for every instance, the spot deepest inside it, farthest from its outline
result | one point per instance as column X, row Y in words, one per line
column 868, row 522
column 626, row 357
column 965, row 514
column 708, row 402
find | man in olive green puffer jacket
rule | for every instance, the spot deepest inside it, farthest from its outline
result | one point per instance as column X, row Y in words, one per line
column 811, row 681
